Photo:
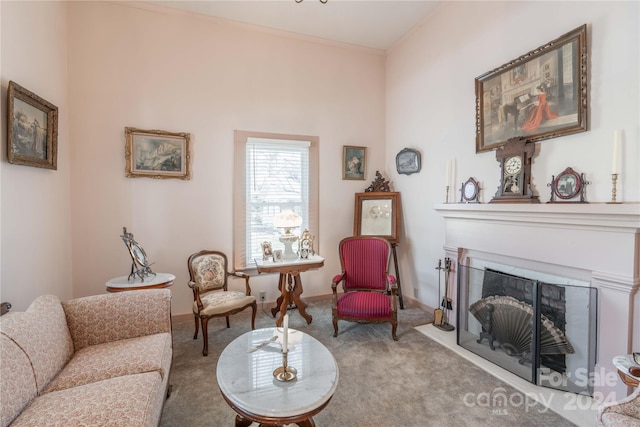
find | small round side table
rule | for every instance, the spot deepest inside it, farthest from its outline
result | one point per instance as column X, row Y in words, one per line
column 120, row 284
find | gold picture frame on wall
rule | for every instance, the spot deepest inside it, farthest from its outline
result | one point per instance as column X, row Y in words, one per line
column 32, row 131
column 157, row 154
column 377, row 214
column 354, row 162
column 540, row 95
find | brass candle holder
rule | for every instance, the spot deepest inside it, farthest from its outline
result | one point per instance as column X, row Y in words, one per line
column 614, row 179
column 446, row 197
column 285, row 373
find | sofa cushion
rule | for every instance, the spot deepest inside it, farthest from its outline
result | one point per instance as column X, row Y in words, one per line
column 114, row 359
column 131, row 400
column 111, row 317
column 18, row 381
column 41, row 331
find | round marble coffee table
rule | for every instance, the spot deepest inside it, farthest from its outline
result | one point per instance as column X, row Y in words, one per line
column 246, row 380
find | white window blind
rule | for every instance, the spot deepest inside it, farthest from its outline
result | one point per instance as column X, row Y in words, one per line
column 272, row 172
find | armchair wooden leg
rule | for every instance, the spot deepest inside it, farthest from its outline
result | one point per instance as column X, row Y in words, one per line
column 205, row 337
column 195, row 336
column 254, row 308
column 228, row 326
column 335, row 327
column 394, row 326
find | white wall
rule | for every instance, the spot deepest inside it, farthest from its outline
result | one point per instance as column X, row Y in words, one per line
column 35, row 203
column 431, row 107
column 155, row 69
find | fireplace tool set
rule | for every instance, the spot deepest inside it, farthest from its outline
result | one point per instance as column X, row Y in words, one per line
column 441, row 315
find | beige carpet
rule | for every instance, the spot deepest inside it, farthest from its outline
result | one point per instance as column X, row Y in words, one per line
column 411, row 382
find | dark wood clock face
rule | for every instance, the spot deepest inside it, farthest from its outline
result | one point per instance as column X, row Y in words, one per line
column 515, row 158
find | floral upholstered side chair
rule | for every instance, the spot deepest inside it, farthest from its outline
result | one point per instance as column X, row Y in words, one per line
column 369, row 291
column 208, row 275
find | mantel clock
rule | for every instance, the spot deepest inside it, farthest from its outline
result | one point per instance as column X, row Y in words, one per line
column 515, row 158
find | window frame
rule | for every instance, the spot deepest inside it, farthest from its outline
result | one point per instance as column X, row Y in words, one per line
column 239, row 191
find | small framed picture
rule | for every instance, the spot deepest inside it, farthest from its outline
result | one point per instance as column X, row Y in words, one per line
column 32, row 131
column 408, row 161
column 568, row 187
column 277, row 255
column 266, row 250
column 157, row 154
column 354, row 162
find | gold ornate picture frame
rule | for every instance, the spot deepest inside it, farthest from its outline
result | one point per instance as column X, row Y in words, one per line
column 157, row 154
column 354, row 162
column 542, row 94
column 32, row 130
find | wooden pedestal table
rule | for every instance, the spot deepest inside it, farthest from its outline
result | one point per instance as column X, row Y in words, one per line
column 248, row 385
column 289, row 283
column 160, row 280
column 623, row 364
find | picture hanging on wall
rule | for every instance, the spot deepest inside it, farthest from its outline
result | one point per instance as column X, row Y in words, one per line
column 540, row 95
column 32, row 131
column 354, row 162
column 157, row 154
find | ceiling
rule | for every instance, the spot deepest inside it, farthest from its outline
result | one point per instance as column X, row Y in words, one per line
column 376, row 24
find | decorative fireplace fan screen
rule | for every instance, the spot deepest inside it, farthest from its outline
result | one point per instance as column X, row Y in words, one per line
column 510, row 322
column 543, row 332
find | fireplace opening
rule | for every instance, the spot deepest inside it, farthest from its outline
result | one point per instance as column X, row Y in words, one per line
column 543, row 332
column 513, row 319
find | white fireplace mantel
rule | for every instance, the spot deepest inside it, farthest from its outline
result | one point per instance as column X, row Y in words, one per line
column 597, row 243
column 624, row 217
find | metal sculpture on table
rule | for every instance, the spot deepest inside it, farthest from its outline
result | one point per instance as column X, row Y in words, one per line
column 140, row 266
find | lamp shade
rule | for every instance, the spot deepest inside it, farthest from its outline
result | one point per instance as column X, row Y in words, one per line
column 287, row 219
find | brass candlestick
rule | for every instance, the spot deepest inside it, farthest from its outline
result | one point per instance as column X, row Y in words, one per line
column 446, row 197
column 614, row 179
column 284, row 372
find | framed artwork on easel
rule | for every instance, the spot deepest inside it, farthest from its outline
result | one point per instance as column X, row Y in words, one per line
column 377, row 214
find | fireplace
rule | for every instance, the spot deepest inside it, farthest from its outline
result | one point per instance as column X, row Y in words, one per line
column 594, row 246
column 542, row 331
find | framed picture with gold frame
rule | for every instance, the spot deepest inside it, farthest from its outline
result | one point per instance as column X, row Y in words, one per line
column 354, row 162
column 377, row 214
column 540, row 95
column 157, row 154
column 32, row 129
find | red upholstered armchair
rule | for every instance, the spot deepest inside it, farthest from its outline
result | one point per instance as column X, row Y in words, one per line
column 369, row 291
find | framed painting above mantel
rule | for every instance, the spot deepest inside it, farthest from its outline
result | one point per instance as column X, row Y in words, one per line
column 540, row 95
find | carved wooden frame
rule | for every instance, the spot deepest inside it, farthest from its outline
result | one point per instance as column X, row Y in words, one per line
column 377, row 214
column 540, row 70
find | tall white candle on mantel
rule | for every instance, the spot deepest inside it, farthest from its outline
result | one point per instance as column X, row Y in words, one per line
column 285, row 334
column 448, row 172
column 616, row 151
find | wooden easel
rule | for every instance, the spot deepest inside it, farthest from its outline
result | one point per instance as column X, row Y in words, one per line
column 381, row 185
column 397, row 271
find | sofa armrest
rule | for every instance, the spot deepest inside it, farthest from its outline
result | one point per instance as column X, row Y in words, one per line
column 111, row 317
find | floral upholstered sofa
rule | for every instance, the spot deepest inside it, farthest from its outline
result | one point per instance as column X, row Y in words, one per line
column 102, row 360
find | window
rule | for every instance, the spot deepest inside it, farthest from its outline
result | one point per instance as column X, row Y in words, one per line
column 273, row 172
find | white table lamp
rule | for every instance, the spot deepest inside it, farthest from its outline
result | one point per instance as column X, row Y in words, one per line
column 288, row 219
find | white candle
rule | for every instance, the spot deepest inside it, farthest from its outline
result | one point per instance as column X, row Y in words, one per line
column 448, row 172
column 616, row 151
column 285, row 334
